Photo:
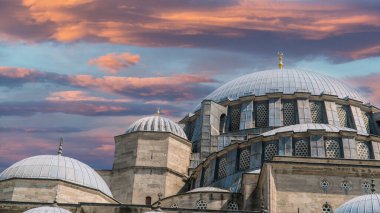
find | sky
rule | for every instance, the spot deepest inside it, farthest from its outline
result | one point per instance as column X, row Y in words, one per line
column 85, row 70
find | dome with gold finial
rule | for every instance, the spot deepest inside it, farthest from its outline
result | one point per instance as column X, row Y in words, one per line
column 157, row 123
column 286, row 81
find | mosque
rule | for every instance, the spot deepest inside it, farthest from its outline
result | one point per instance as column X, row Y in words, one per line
column 277, row 141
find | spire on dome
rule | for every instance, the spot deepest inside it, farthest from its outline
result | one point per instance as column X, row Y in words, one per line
column 158, row 113
column 60, row 148
column 280, row 63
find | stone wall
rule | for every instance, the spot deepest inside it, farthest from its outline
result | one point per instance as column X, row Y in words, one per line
column 148, row 163
column 214, row 200
column 36, row 190
column 294, row 184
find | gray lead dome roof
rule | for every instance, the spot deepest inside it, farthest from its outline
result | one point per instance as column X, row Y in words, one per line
column 157, row 123
column 56, row 167
column 287, row 81
column 47, row 209
column 363, row 204
column 310, row 126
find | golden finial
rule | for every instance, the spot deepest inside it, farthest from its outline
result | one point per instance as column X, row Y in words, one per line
column 60, row 149
column 158, row 113
column 280, row 64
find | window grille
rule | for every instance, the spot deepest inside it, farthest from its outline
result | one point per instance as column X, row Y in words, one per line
column 363, row 150
column 317, row 112
column 368, row 122
column 324, row 185
column 346, row 186
column 289, row 112
column 262, row 114
column 232, row 205
column 222, row 168
column 366, row 187
column 201, row 204
column 174, row 206
column 270, row 151
column 206, row 175
column 326, row 208
column 344, row 114
column 235, row 118
column 332, row 147
column 244, row 159
column 148, row 200
column 301, row 148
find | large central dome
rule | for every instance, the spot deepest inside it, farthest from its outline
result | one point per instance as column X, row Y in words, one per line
column 287, row 81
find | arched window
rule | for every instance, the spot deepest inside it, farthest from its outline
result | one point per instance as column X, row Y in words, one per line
column 148, row 200
column 222, row 168
column 301, row 148
column 261, row 114
column 222, row 123
column 326, row 208
column 345, row 116
column 244, row 159
column 317, row 110
column 289, row 110
column 201, row 204
column 206, row 175
column 332, row 146
column 368, row 122
column 232, row 205
column 235, row 118
column 363, row 150
column 270, row 151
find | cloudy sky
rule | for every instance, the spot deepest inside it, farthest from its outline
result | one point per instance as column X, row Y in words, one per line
column 86, row 69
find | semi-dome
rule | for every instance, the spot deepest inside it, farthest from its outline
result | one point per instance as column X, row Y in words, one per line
column 208, row 189
column 363, row 204
column 310, row 126
column 157, row 123
column 56, row 167
column 47, row 209
column 287, row 81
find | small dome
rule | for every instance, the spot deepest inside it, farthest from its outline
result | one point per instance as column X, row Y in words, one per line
column 208, row 189
column 56, row 167
column 287, row 81
column 363, row 204
column 47, row 209
column 157, row 123
column 309, row 126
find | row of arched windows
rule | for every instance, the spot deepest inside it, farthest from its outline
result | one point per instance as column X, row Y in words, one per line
column 301, row 147
column 333, row 149
column 260, row 115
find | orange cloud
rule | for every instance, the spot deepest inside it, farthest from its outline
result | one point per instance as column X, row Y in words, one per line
column 364, row 53
column 133, row 22
column 112, row 63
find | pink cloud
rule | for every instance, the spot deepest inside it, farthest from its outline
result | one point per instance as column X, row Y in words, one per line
column 177, row 87
column 112, row 63
column 368, row 84
column 15, row 72
column 118, row 22
column 77, row 95
column 364, row 53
